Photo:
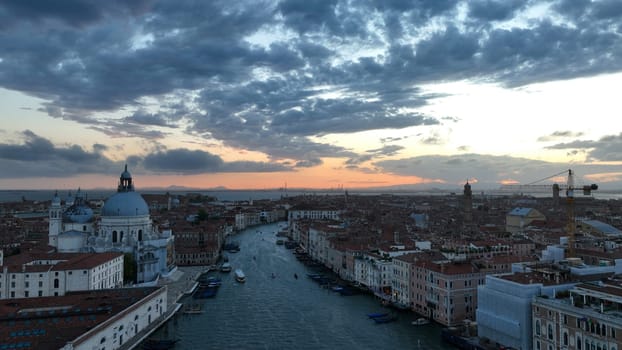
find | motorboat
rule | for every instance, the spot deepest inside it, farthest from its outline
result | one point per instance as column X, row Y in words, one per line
column 225, row 267
column 421, row 321
column 385, row 319
column 240, row 276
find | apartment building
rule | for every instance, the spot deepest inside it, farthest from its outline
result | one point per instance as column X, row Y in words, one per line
column 40, row 275
column 588, row 317
column 446, row 291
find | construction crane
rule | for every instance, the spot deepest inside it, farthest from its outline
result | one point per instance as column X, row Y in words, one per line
column 570, row 192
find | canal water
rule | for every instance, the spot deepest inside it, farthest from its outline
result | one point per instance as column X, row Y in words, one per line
column 284, row 312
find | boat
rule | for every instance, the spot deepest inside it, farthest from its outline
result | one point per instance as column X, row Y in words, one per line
column 239, row 276
column 377, row 314
column 385, row 319
column 225, row 267
column 421, row 321
column 193, row 309
column 205, row 292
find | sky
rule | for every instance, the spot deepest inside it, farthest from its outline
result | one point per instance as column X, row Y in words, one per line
column 309, row 93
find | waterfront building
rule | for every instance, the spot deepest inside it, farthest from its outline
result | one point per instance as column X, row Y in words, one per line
column 124, row 226
column 446, row 291
column 587, row 317
column 400, row 283
column 374, row 272
column 200, row 243
column 103, row 319
column 39, row 275
column 247, row 218
column 300, row 212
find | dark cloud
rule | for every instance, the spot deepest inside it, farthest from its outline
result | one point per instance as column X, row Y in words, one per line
column 309, row 163
column 183, row 161
column 71, row 12
column 387, row 150
column 490, row 171
column 269, row 76
column 494, row 10
column 142, row 117
column 39, row 157
column 608, row 148
column 556, row 135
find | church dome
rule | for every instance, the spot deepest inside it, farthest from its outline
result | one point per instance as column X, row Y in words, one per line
column 125, row 204
column 79, row 212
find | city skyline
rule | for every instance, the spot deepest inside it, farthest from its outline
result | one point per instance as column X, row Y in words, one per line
column 309, row 94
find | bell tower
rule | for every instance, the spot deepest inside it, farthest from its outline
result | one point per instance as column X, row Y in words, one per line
column 55, row 220
column 468, row 206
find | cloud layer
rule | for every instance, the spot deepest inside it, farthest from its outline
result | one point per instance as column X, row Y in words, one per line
column 272, row 76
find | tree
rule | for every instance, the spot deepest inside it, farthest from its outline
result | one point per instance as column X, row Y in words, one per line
column 201, row 215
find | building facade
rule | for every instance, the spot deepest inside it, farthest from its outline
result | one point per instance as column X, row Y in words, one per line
column 42, row 275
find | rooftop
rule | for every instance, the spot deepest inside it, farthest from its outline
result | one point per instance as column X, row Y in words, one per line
column 50, row 322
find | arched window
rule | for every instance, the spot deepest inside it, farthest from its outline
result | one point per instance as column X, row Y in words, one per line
column 537, row 327
column 114, row 236
column 121, row 237
column 56, row 283
column 140, row 235
column 565, row 338
column 550, row 332
column 579, row 343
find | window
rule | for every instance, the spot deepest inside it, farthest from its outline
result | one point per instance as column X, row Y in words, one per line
column 550, row 332
column 578, row 343
column 537, row 327
column 56, row 283
column 565, row 340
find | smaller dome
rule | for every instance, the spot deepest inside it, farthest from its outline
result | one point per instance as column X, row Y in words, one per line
column 78, row 214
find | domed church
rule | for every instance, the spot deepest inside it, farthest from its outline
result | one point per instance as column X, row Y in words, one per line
column 124, row 226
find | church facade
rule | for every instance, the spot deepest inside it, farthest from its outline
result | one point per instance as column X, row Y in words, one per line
column 124, row 226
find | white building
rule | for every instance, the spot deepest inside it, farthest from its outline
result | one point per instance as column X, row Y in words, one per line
column 504, row 313
column 124, row 226
column 104, row 319
column 41, row 275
